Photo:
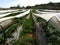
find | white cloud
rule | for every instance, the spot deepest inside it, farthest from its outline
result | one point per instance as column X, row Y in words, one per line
column 32, row 2
column 55, row 0
column 26, row 2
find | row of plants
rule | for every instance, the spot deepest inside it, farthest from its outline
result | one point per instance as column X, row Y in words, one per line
column 27, row 26
column 9, row 31
column 12, row 29
column 17, row 22
column 53, row 36
column 34, row 11
column 25, row 33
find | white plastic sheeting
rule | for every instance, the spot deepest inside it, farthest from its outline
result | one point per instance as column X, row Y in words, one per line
column 7, row 14
column 46, row 16
column 55, row 21
column 52, row 11
column 56, row 11
column 4, row 11
column 20, row 15
column 53, row 18
column 17, row 33
column 2, row 15
column 6, row 23
column 41, row 12
column 23, row 14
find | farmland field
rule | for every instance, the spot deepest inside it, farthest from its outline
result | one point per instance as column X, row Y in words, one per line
column 30, row 27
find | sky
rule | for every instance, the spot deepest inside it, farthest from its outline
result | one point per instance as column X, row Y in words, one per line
column 8, row 3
